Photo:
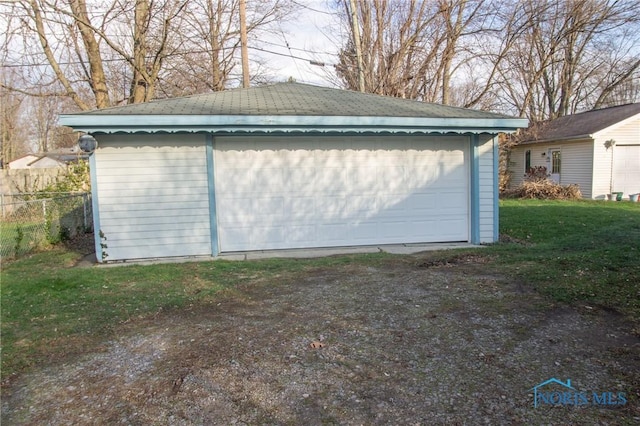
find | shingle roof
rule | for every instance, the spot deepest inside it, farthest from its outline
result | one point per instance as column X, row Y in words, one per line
column 583, row 124
column 295, row 99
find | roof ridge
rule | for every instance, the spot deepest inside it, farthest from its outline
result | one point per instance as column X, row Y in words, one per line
column 597, row 110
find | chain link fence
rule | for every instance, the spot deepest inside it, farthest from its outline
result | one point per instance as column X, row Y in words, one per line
column 34, row 220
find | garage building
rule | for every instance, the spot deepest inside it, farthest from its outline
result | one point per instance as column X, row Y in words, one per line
column 289, row 166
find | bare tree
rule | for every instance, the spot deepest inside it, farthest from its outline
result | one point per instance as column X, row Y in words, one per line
column 76, row 42
column 13, row 138
column 570, row 57
column 209, row 40
column 535, row 58
column 411, row 49
column 399, row 44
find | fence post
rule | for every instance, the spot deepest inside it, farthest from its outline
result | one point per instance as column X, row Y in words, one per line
column 85, row 213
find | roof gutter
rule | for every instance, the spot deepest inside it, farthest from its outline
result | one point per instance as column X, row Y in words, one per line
column 98, row 123
column 564, row 139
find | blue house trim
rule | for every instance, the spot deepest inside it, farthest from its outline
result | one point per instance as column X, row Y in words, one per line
column 213, row 221
column 475, row 189
column 496, row 190
column 95, row 207
column 285, row 123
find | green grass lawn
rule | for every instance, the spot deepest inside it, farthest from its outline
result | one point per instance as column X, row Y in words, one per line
column 574, row 252
column 585, row 251
column 20, row 238
column 50, row 308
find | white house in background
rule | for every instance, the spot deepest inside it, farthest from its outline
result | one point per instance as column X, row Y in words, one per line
column 289, row 166
column 35, row 161
column 598, row 150
column 58, row 158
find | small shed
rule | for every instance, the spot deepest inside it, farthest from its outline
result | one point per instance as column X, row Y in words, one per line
column 597, row 150
column 289, row 166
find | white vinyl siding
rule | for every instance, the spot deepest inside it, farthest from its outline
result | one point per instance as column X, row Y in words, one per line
column 295, row 192
column 626, row 169
column 576, row 163
column 626, row 151
column 487, row 188
column 153, row 196
column 602, row 160
column 627, row 133
column 517, row 161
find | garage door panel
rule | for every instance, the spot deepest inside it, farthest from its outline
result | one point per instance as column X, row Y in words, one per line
column 267, row 235
column 235, row 209
column 425, row 230
column 450, row 227
column 363, row 179
column 301, row 234
column 339, row 191
column 391, row 178
column 264, row 208
column 334, row 233
column 268, row 178
column 626, row 169
column 331, row 208
column 235, row 238
column 240, row 178
column 453, row 173
column 392, row 229
column 451, row 200
column 424, row 202
column 362, row 232
column 329, row 180
column 300, row 208
column 361, row 205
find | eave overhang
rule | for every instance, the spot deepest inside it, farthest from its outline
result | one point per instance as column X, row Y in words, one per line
column 225, row 124
column 576, row 138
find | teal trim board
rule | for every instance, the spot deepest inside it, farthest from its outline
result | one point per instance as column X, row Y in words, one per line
column 95, row 207
column 475, row 190
column 213, row 220
column 142, row 122
column 496, row 190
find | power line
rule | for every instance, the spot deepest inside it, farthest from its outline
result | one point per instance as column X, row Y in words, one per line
column 304, row 6
column 290, row 55
column 315, row 52
column 310, row 61
column 290, row 52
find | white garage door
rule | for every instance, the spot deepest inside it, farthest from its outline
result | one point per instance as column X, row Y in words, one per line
column 296, row 192
column 626, row 169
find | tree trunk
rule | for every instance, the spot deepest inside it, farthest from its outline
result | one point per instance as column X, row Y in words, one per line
column 139, row 83
column 98, row 78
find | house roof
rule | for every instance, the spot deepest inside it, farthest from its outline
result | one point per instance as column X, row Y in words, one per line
column 61, row 156
column 583, row 125
column 287, row 107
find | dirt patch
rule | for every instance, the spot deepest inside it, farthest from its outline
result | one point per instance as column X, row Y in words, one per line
column 399, row 344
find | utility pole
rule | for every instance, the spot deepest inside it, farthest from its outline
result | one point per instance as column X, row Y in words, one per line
column 358, row 46
column 243, row 44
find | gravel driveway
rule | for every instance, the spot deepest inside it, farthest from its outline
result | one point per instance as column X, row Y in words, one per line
column 409, row 341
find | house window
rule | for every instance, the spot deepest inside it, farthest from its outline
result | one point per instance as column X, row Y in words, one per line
column 555, row 162
column 527, row 161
